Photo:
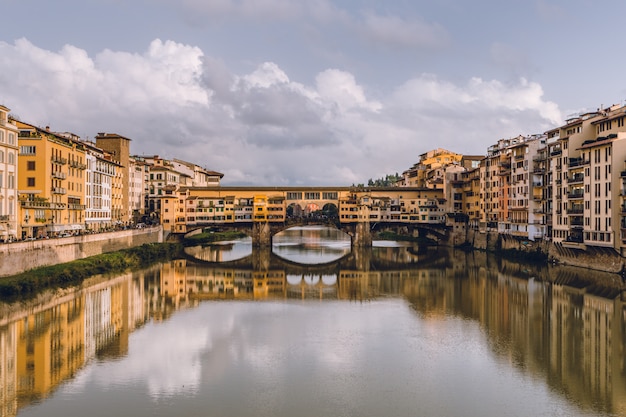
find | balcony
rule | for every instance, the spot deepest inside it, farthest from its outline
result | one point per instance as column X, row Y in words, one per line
column 576, row 221
column 577, row 162
column 58, row 190
column 576, row 194
column 77, row 165
column 59, row 175
column 5, row 217
column 58, row 160
column 537, row 184
column 34, row 204
column 76, row 207
column 578, row 209
column 537, row 197
column 575, row 179
column 556, row 152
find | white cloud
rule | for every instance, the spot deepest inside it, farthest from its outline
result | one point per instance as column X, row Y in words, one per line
column 262, row 127
column 341, row 88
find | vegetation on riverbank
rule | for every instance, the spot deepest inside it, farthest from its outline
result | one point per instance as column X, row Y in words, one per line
column 29, row 283
column 208, row 237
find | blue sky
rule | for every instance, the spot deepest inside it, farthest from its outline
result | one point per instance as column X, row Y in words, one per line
column 316, row 92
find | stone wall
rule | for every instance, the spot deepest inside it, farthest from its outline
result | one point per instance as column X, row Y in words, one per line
column 18, row 257
column 600, row 259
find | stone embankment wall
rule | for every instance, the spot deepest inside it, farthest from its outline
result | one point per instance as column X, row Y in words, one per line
column 18, row 257
column 599, row 259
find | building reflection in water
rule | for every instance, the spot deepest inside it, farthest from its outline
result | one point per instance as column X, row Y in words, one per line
column 565, row 334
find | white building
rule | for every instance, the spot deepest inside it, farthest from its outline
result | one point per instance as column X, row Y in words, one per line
column 98, row 183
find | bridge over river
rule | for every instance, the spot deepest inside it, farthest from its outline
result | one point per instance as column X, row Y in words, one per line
column 264, row 211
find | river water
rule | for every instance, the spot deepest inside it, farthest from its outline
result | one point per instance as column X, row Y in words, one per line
column 312, row 328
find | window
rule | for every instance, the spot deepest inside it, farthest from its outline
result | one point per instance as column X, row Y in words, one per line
column 28, row 150
column 11, row 158
column 30, row 165
column 30, row 181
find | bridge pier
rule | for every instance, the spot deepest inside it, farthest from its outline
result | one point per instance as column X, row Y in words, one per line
column 261, row 234
column 360, row 234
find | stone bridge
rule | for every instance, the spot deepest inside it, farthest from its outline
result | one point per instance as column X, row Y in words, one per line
column 262, row 212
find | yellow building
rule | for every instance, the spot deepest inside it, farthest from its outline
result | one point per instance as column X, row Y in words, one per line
column 51, row 183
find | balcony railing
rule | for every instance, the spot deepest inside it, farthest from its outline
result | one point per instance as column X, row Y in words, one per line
column 5, row 217
column 58, row 160
column 575, row 210
column 59, row 175
column 58, row 190
column 576, row 194
column 575, row 179
column 78, row 165
column 576, row 162
column 34, row 204
column 76, row 206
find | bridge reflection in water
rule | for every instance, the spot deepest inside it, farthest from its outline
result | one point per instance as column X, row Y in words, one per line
column 568, row 335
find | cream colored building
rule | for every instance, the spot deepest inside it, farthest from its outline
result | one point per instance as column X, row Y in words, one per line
column 139, row 172
column 100, row 174
column 8, row 177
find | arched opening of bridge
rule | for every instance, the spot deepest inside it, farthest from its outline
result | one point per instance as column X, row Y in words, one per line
column 311, row 244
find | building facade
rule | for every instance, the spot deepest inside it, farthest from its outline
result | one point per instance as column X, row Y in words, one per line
column 8, row 177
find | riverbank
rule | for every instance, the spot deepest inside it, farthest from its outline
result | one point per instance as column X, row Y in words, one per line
column 29, row 283
column 548, row 252
column 19, row 257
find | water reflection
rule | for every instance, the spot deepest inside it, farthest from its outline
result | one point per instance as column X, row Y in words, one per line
column 534, row 325
column 222, row 251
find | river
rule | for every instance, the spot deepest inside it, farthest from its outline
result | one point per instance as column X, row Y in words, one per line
column 313, row 328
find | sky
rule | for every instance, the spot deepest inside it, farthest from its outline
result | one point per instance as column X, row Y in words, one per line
column 308, row 92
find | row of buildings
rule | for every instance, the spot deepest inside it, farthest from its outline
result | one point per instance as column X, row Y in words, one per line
column 566, row 185
column 55, row 183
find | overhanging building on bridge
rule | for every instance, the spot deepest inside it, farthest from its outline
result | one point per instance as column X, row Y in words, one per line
column 189, row 208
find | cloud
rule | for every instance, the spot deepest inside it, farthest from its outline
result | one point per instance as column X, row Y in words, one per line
column 394, row 30
column 262, row 127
